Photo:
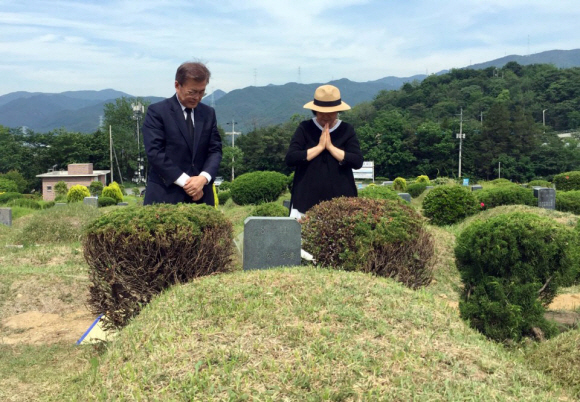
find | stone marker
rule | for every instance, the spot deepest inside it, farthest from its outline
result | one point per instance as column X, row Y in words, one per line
column 271, row 242
column 6, row 216
column 547, row 198
column 123, row 204
column 92, row 201
column 286, row 203
column 476, row 187
column 388, row 183
column 536, row 189
column 429, row 187
column 405, row 196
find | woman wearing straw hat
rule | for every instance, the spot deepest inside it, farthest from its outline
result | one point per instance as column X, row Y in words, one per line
column 324, row 150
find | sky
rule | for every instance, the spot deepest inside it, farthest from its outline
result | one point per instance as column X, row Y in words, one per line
column 136, row 46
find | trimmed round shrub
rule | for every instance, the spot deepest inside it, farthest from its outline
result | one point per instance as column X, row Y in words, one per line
column 258, row 187
column 7, row 197
column 383, row 237
column 511, row 266
column 96, row 188
column 540, row 183
column 47, row 204
column 225, row 186
column 567, row 181
column 77, row 193
column 134, row 253
column 568, row 201
column 506, row 195
column 113, row 191
column 24, row 203
column 449, row 204
column 106, row 201
column 7, row 185
column 379, row 193
column 423, row 179
column 501, row 182
column 270, row 209
column 60, row 189
column 400, row 184
column 223, row 196
column 416, row 189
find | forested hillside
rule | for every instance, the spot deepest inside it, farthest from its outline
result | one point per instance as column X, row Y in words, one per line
column 412, row 131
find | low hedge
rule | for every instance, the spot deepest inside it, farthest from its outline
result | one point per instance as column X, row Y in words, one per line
column 136, row 252
column 379, row 193
column 506, row 195
column 511, row 266
column 7, row 197
column 567, row 181
column 25, row 203
column 568, row 201
column 271, row 209
column 383, row 237
column 449, row 204
column 258, row 187
column 417, row 188
column 106, row 201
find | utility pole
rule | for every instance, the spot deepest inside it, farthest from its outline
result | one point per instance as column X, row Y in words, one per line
column 138, row 110
column 544, row 119
column 233, row 133
column 111, row 151
column 461, row 136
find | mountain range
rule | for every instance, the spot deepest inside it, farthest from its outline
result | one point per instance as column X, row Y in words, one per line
column 247, row 108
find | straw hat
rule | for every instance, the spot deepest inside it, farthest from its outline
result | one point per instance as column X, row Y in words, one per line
column 327, row 100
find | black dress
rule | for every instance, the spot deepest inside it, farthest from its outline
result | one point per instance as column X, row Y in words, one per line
column 322, row 178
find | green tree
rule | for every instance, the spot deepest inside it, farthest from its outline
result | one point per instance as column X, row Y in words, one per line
column 229, row 154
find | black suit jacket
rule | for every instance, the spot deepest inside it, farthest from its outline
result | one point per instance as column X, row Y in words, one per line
column 171, row 151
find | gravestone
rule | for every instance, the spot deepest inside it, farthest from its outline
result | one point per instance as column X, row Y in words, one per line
column 405, row 196
column 547, row 198
column 6, row 216
column 92, row 201
column 286, row 203
column 476, row 187
column 428, row 187
column 388, row 183
column 123, row 204
column 536, row 190
column 271, row 242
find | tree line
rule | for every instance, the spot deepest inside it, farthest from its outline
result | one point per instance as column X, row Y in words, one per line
column 509, row 115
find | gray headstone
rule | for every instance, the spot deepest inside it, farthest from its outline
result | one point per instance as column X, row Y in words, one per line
column 92, row 201
column 476, row 187
column 428, row 187
column 123, row 204
column 405, row 196
column 547, row 198
column 286, row 203
column 6, row 216
column 271, row 242
column 536, row 190
column 388, row 183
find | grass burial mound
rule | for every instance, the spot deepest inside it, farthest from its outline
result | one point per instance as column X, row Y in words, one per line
column 305, row 334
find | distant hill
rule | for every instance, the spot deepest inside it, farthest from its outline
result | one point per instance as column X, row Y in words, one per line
column 249, row 107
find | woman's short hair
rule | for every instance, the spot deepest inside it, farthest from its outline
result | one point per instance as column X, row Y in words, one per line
column 192, row 71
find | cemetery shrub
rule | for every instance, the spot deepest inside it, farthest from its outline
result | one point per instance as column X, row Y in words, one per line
column 383, row 237
column 379, row 192
column 96, row 188
column 501, row 182
column 423, row 179
column 134, row 253
column 567, row 181
column 223, row 196
column 7, row 197
column 400, row 184
column 106, row 201
column 449, row 204
column 441, row 181
column 511, row 266
column 60, row 188
column 47, row 204
column 225, row 186
column 113, row 191
column 77, row 193
column 506, row 195
column 16, row 177
column 24, row 203
column 568, row 201
column 271, row 209
column 7, row 185
column 539, row 183
column 416, row 189
column 258, row 187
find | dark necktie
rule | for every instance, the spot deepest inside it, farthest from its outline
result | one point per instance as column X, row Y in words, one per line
column 189, row 122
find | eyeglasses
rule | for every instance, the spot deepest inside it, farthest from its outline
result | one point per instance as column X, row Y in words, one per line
column 193, row 93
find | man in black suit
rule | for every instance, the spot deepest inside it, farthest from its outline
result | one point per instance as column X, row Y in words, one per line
column 182, row 142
